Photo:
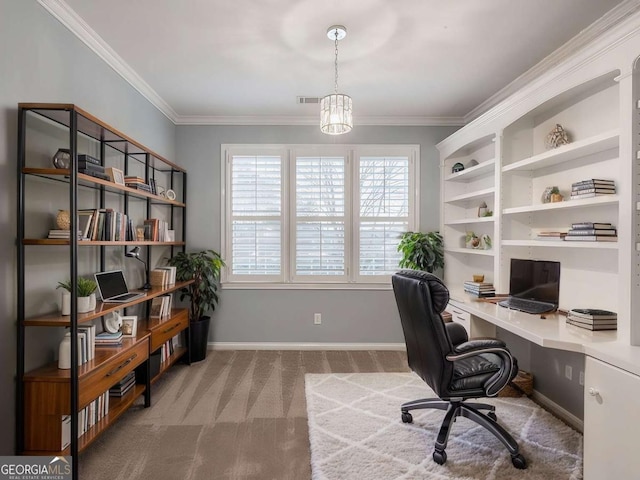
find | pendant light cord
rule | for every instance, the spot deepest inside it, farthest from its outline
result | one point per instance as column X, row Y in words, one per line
column 336, row 62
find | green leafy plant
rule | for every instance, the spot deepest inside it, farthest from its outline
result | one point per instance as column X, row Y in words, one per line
column 204, row 268
column 488, row 213
column 554, row 191
column 85, row 286
column 421, row 251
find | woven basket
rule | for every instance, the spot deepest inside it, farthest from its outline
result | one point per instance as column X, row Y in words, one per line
column 521, row 385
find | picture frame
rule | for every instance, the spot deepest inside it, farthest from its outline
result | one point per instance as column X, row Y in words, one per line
column 129, row 326
column 116, row 175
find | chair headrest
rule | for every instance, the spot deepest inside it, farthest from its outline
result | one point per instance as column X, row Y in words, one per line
column 439, row 291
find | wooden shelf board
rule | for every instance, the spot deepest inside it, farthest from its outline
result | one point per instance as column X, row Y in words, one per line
column 486, row 192
column 560, row 244
column 469, row 221
column 89, row 181
column 468, row 174
column 56, row 320
column 572, row 151
column 587, row 202
column 471, row 251
column 177, row 354
column 88, row 243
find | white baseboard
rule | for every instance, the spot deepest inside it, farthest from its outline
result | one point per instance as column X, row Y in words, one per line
column 558, row 411
column 303, row 346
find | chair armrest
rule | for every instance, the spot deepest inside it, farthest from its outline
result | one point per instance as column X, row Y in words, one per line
column 457, row 333
column 479, row 344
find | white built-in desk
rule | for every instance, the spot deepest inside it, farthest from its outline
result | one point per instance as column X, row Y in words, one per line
column 612, row 379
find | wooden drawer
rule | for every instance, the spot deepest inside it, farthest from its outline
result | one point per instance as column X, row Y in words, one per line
column 167, row 329
column 100, row 379
column 460, row 316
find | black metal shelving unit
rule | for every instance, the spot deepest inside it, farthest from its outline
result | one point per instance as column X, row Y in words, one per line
column 80, row 125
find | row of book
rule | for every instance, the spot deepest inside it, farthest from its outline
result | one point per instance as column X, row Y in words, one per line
column 161, row 306
column 162, row 276
column 480, row 289
column 105, row 224
column 156, row 230
column 592, row 187
column 87, row 418
column 86, row 343
column 592, row 319
column 121, row 388
column 167, row 349
column 106, row 339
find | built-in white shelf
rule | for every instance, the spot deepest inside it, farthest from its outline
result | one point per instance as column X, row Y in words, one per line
column 587, row 202
column 470, row 221
column 560, row 244
column 581, row 148
column 468, row 174
column 471, row 251
column 486, row 192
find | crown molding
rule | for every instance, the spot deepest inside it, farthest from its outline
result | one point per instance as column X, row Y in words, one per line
column 605, row 23
column 70, row 19
column 306, row 120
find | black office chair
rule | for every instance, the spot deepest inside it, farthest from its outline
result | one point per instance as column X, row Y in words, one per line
column 457, row 369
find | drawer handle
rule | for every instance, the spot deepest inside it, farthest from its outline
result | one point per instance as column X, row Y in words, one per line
column 122, row 365
column 593, row 392
column 171, row 328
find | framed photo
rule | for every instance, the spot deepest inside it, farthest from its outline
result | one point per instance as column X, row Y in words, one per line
column 129, row 326
column 116, row 175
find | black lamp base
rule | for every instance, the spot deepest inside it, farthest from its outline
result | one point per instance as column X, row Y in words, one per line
column 146, row 286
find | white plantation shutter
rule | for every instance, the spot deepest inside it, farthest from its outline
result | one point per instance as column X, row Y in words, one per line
column 384, row 203
column 316, row 214
column 256, row 215
column 320, row 216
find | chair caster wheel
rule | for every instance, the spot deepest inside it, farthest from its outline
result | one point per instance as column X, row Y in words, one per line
column 518, row 461
column 492, row 415
column 439, row 457
column 407, row 417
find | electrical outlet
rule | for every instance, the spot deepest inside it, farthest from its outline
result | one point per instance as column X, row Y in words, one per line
column 581, row 379
column 568, row 371
column 317, row 319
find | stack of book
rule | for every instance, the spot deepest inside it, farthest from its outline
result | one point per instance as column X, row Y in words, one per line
column 106, row 339
column 592, row 187
column 480, row 289
column 121, row 388
column 593, row 319
column 137, row 183
column 592, row 232
column 91, row 166
column 549, row 235
column 62, row 234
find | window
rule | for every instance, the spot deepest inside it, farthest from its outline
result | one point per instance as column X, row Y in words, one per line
column 316, row 215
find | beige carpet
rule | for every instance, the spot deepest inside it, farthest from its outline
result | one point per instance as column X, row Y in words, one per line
column 238, row 415
column 356, row 433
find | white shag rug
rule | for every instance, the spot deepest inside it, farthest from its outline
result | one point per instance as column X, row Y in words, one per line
column 356, row 432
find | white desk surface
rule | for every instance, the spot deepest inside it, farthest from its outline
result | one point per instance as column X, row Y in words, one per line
column 553, row 332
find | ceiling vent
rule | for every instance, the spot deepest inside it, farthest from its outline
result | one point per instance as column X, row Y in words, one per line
column 307, row 100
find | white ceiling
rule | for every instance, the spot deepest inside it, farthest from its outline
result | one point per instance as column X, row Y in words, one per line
column 401, row 58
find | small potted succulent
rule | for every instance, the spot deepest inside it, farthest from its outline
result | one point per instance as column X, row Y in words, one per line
column 555, row 195
column 472, row 240
column 86, row 295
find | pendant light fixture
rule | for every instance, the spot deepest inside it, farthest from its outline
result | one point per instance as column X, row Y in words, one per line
column 336, row 115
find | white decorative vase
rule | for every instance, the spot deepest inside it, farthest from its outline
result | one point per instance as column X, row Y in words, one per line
column 64, row 352
column 92, row 302
column 84, row 304
column 66, row 303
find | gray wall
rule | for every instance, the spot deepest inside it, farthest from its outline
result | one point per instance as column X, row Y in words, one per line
column 41, row 61
column 348, row 316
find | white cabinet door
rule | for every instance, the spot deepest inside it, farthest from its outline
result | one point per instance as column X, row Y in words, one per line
column 611, row 422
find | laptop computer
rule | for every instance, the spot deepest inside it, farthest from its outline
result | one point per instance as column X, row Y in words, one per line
column 112, row 287
column 534, row 286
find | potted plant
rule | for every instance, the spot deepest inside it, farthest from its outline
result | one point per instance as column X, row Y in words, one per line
column 85, row 289
column 421, row 251
column 204, row 268
column 555, row 195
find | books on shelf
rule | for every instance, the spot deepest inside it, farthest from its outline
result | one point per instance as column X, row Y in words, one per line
column 161, row 306
column 106, row 339
column 123, row 386
column 162, row 276
column 547, row 235
column 480, row 289
column 592, row 319
column 592, row 232
column 156, row 230
column 87, row 418
column 592, row 187
column 62, row 234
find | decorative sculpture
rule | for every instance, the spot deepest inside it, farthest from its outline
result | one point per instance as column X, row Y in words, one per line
column 557, row 137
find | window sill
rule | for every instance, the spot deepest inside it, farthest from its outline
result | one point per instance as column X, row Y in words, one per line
column 304, row 286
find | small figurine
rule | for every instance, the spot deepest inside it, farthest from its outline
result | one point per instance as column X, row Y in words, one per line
column 557, row 137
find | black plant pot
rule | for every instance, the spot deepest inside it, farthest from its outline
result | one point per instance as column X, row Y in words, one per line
column 199, row 332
